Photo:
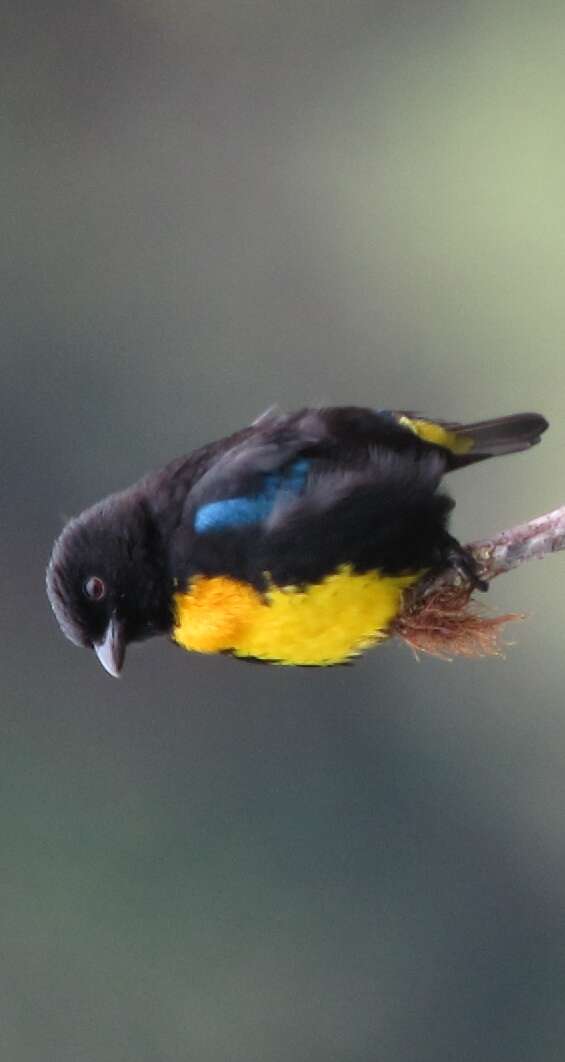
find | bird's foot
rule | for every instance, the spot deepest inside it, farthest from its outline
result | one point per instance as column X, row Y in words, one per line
column 461, row 561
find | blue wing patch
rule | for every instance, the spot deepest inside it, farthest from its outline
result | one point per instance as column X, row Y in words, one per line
column 252, row 509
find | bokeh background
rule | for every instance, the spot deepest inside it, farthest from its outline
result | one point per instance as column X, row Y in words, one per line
column 208, row 207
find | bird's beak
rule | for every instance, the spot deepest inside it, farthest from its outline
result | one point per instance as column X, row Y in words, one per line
column 112, row 649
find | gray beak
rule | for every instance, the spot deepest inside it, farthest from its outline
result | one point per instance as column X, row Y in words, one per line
column 112, row 649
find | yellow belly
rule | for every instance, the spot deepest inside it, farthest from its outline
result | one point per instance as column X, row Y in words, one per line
column 326, row 623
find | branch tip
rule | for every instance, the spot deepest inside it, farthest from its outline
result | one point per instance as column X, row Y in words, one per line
column 440, row 616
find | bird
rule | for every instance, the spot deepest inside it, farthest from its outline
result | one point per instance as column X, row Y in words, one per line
column 291, row 541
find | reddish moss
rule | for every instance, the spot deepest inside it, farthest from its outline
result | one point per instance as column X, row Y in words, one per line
column 448, row 623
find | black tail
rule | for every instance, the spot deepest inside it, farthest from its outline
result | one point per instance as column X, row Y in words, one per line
column 504, row 435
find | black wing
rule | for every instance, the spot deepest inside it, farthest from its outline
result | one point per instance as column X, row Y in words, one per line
column 299, row 496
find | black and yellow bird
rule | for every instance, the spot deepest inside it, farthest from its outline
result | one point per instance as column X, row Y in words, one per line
column 291, row 541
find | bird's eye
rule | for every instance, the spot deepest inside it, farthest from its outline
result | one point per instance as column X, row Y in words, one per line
column 95, row 588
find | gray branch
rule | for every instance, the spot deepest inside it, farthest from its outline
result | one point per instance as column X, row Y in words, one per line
column 438, row 615
column 508, row 549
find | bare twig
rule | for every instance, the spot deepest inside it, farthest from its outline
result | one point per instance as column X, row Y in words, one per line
column 508, row 549
column 439, row 615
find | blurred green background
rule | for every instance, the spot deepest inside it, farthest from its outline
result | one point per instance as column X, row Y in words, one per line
column 208, row 207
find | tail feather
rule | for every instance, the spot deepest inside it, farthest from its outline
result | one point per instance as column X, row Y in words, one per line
column 503, row 435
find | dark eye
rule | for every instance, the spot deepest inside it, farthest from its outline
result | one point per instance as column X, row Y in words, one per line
column 95, row 588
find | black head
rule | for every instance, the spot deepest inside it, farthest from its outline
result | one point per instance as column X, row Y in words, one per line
column 107, row 580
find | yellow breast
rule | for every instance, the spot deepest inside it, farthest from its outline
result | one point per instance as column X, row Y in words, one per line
column 322, row 624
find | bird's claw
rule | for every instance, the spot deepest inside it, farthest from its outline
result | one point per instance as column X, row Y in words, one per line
column 462, row 562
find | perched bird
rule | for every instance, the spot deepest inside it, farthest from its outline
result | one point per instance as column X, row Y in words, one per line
column 290, row 542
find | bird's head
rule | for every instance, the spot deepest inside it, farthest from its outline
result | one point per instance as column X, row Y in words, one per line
column 107, row 580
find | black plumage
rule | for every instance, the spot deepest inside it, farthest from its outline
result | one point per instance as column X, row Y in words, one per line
column 369, row 497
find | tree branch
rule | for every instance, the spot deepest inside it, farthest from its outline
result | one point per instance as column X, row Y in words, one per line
column 439, row 615
column 508, row 549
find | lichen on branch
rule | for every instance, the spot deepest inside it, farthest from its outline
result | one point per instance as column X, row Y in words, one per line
column 440, row 615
